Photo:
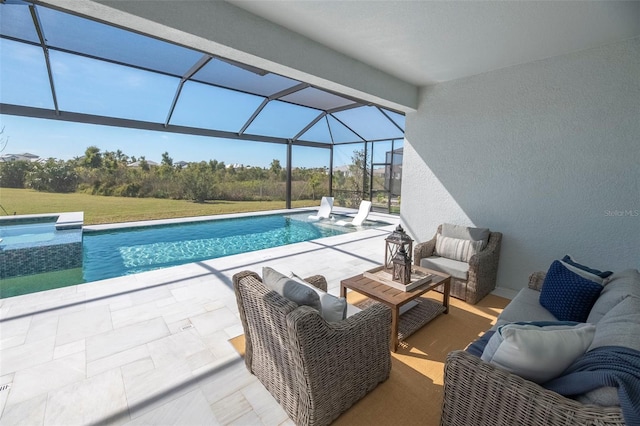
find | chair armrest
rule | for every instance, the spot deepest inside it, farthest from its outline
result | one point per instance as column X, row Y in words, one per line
column 338, row 363
column 243, row 274
column 491, row 251
column 478, row 393
column 536, row 280
column 483, row 270
column 423, row 250
column 318, row 281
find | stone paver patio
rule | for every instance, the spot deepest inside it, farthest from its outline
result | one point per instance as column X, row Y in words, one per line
column 153, row 348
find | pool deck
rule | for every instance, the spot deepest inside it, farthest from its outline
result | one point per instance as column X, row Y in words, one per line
column 153, row 348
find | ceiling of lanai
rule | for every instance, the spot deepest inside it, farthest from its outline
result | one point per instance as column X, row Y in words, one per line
column 427, row 42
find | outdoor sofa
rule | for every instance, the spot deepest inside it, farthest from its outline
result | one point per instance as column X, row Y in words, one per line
column 495, row 393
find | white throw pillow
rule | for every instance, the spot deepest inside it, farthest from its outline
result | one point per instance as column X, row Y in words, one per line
column 333, row 308
column 538, row 353
column 456, row 249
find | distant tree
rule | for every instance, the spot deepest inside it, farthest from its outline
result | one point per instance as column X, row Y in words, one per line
column 314, row 181
column 13, row 173
column 93, row 157
column 359, row 175
column 53, row 176
column 197, row 180
column 166, row 160
column 121, row 157
column 276, row 168
column 110, row 161
column 144, row 165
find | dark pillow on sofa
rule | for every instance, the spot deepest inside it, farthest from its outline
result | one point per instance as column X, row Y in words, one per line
column 477, row 346
column 601, row 274
column 567, row 295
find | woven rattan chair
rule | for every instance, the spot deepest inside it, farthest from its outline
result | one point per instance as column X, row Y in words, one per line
column 314, row 369
column 483, row 268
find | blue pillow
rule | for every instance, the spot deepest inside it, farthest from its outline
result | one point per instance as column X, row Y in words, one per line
column 477, row 347
column 601, row 274
column 567, row 295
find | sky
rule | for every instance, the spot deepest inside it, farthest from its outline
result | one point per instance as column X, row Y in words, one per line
column 64, row 140
column 91, row 86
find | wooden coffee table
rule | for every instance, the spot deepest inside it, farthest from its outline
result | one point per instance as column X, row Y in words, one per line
column 395, row 299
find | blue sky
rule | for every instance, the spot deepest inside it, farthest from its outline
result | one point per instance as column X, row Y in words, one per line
column 91, row 86
column 63, row 140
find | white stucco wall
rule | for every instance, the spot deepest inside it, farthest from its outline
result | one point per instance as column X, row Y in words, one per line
column 548, row 153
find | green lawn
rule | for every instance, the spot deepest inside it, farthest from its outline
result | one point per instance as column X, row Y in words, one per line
column 98, row 209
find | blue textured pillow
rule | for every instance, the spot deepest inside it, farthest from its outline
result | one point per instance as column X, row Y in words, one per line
column 601, row 274
column 567, row 295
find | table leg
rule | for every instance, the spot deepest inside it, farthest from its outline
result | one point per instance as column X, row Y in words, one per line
column 343, row 290
column 445, row 295
column 395, row 318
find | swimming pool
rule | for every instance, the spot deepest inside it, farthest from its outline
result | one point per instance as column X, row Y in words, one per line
column 36, row 244
column 27, row 234
column 119, row 252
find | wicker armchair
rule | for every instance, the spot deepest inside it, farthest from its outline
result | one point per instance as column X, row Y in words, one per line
column 482, row 272
column 314, row 369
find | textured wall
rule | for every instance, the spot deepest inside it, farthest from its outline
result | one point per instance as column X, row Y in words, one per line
column 547, row 153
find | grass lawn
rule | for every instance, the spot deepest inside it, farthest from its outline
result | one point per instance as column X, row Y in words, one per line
column 99, row 209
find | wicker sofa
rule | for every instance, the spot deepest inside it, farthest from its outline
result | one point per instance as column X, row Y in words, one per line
column 479, row 393
column 315, row 369
column 471, row 280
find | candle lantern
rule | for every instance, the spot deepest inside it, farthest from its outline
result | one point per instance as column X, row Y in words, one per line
column 401, row 267
column 396, row 240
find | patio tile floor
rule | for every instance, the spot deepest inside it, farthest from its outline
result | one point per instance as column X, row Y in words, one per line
column 153, row 348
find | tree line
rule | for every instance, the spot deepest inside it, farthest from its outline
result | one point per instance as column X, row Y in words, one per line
column 113, row 173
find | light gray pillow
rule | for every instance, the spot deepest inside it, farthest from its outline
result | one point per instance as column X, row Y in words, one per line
column 620, row 326
column 333, row 308
column 456, row 248
column 291, row 289
column 617, row 287
column 466, row 233
column 537, row 353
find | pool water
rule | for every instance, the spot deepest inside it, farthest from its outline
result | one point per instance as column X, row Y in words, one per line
column 115, row 253
column 27, row 233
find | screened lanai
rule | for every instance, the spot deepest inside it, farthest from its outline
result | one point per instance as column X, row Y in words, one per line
column 59, row 66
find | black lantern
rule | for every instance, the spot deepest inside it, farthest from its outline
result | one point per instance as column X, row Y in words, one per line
column 401, row 267
column 396, row 240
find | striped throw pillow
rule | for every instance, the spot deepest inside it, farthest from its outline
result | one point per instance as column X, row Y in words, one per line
column 456, row 249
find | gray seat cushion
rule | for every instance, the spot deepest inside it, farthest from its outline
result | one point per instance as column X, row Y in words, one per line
column 455, row 268
column 524, row 307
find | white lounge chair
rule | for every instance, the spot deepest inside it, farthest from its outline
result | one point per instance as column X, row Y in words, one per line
column 326, row 205
column 360, row 217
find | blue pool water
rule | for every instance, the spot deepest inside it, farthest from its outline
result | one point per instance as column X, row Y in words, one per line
column 114, row 253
